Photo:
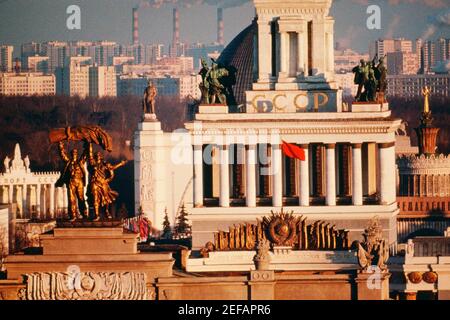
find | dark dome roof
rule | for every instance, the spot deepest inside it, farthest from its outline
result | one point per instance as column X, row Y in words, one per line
column 239, row 55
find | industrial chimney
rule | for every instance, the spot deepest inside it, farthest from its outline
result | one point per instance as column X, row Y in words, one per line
column 176, row 31
column 220, row 27
column 135, row 26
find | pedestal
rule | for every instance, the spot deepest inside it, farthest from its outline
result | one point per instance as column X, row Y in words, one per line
column 369, row 107
column 149, row 171
column 213, row 109
column 88, row 263
column 373, row 286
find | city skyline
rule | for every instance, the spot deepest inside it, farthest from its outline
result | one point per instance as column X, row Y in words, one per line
column 20, row 24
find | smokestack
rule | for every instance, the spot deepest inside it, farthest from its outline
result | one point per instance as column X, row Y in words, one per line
column 220, row 27
column 135, row 26
column 176, row 31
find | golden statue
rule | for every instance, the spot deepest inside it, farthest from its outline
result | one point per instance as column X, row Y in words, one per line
column 101, row 174
column 426, row 93
column 74, row 177
column 150, row 94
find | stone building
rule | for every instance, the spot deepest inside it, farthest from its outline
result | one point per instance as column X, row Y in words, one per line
column 33, row 192
column 423, row 186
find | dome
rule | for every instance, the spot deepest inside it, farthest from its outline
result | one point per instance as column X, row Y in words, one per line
column 239, row 55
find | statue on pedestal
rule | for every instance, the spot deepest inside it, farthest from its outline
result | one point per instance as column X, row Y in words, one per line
column 216, row 83
column 74, row 177
column 204, row 85
column 101, row 174
column 149, row 100
column 371, row 77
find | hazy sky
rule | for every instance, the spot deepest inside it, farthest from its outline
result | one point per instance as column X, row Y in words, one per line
column 40, row 20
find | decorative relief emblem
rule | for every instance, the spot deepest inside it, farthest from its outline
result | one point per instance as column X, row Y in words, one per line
column 281, row 228
column 91, row 286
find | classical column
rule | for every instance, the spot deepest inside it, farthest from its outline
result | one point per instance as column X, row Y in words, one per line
column 357, row 188
column 251, row 175
column 38, row 200
column 331, row 175
column 301, row 63
column 10, row 194
column 25, row 200
column 224, row 199
column 198, row 175
column 4, row 194
column 304, row 178
column 277, row 173
column 52, row 200
column 265, row 50
column 284, row 54
column 387, row 173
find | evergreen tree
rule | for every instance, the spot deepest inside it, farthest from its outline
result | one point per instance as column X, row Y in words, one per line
column 183, row 228
column 167, row 230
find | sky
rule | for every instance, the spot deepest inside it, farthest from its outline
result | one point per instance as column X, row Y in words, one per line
column 43, row 20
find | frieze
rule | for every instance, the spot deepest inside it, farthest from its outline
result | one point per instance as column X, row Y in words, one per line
column 407, row 163
column 85, row 286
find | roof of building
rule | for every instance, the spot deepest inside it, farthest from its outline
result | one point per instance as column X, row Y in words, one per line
column 239, row 54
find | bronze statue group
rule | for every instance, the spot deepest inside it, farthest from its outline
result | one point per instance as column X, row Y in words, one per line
column 371, row 78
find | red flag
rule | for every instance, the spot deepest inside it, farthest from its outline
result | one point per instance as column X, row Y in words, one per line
column 293, row 151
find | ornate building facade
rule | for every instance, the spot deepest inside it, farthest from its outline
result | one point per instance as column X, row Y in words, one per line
column 423, row 185
column 228, row 162
column 33, row 192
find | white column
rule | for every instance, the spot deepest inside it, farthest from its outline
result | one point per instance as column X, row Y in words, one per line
column 265, row 50
column 52, row 200
column 24, row 200
column 251, row 175
column 304, row 178
column 10, row 194
column 331, row 175
column 224, row 199
column 284, row 54
column 4, row 194
column 357, row 189
column 44, row 204
column 38, row 200
column 300, row 53
column 198, row 176
column 387, row 173
column 277, row 172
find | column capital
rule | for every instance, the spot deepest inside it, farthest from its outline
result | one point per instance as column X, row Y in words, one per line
column 330, row 145
column 304, row 146
column 386, row 145
column 356, row 145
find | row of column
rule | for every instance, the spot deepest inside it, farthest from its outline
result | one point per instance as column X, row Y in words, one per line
column 387, row 175
column 54, row 199
column 429, row 185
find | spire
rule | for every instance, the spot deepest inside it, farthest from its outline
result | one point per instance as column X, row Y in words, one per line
column 426, row 133
column 17, row 162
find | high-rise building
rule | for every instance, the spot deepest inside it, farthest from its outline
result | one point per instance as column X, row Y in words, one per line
column 104, row 51
column 29, row 49
column 102, row 81
column 345, row 60
column 6, row 58
column 201, row 50
column 382, row 47
column 56, row 52
column 428, row 56
column 73, row 79
column 412, row 85
column 37, row 64
column 402, row 63
column 26, row 84
column 442, row 49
